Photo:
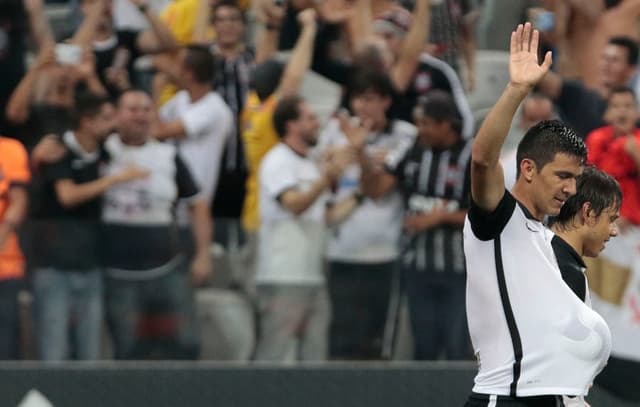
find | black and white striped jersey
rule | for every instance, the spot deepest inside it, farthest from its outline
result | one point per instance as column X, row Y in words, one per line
column 432, row 178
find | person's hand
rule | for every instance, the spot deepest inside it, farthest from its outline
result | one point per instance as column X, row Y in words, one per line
column 86, row 68
column 118, row 77
column 48, row 151
column 524, row 69
column 357, row 132
column 131, row 173
column 270, row 13
column 420, row 222
column 46, row 57
column 335, row 11
column 307, row 18
column 201, row 269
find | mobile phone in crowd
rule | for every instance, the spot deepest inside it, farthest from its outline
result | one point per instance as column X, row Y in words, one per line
column 68, row 54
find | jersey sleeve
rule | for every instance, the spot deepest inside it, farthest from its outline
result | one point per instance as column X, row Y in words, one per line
column 488, row 225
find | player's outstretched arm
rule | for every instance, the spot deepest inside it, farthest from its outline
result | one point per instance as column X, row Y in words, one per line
column 487, row 178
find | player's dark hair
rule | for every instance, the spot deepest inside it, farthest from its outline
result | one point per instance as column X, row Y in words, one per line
column 546, row 139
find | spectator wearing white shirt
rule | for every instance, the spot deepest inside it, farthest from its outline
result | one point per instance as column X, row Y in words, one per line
column 363, row 250
column 294, row 197
column 200, row 122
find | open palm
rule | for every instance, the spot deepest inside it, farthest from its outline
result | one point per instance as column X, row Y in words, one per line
column 523, row 60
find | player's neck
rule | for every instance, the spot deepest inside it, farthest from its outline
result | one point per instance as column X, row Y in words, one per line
column 572, row 237
column 523, row 195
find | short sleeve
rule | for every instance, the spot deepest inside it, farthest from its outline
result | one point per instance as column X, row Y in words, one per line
column 59, row 170
column 15, row 165
column 198, row 119
column 488, row 225
column 277, row 176
column 187, row 187
column 397, row 159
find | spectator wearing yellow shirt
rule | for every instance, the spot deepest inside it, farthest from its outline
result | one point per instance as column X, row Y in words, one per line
column 270, row 82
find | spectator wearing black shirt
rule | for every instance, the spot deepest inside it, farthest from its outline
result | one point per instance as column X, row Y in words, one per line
column 434, row 178
column 64, row 227
column 117, row 50
column 583, row 108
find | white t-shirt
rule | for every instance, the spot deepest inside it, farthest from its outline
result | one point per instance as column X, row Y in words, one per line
column 531, row 334
column 208, row 123
column 291, row 249
column 371, row 233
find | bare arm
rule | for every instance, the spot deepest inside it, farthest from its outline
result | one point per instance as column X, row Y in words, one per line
column 359, row 26
column 300, row 59
column 40, row 28
column 20, row 101
column 487, row 177
column 202, row 227
column 412, row 46
column 15, row 212
column 71, row 194
column 267, row 38
column 592, row 9
column 296, row 201
column 170, row 130
column 159, row 38
column 202, row 23
column 86, row 32
column 338, row 212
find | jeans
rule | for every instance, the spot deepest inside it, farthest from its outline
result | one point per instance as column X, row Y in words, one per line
column 153, row 319
column 9, row 319
column 68, row 302
column 291, row 314
column 438, row 315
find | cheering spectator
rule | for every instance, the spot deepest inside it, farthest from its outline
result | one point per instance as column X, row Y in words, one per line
column 64, row 236
column 294, row 193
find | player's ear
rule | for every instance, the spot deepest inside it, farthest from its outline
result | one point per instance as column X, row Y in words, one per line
column 587, row 214
column 527, row 169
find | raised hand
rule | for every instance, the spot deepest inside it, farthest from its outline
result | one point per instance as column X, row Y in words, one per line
column 524, row 68
column 307, row 17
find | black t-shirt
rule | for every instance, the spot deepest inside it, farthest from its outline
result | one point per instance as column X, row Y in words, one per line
column 65, row 238
column 571, row 266
column 581, row 108
column 430, row 178
column 105, row 57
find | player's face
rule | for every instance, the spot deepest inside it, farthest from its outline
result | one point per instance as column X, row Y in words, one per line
column 228, row 25
column 555, row 183
column 602, row 228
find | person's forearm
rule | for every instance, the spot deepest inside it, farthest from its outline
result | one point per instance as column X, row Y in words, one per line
column 340, row 211
column 202, row 227
column 412, row 46
column 95, row 86
column 494, row 129
column 267, row 41
column 85, row 34
column 20, row 100
column 40, row 28
column 360, row 25
column 299, row 62
column 71, row 194
column 454, row 218
column 165, row 39
column 297, row 202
